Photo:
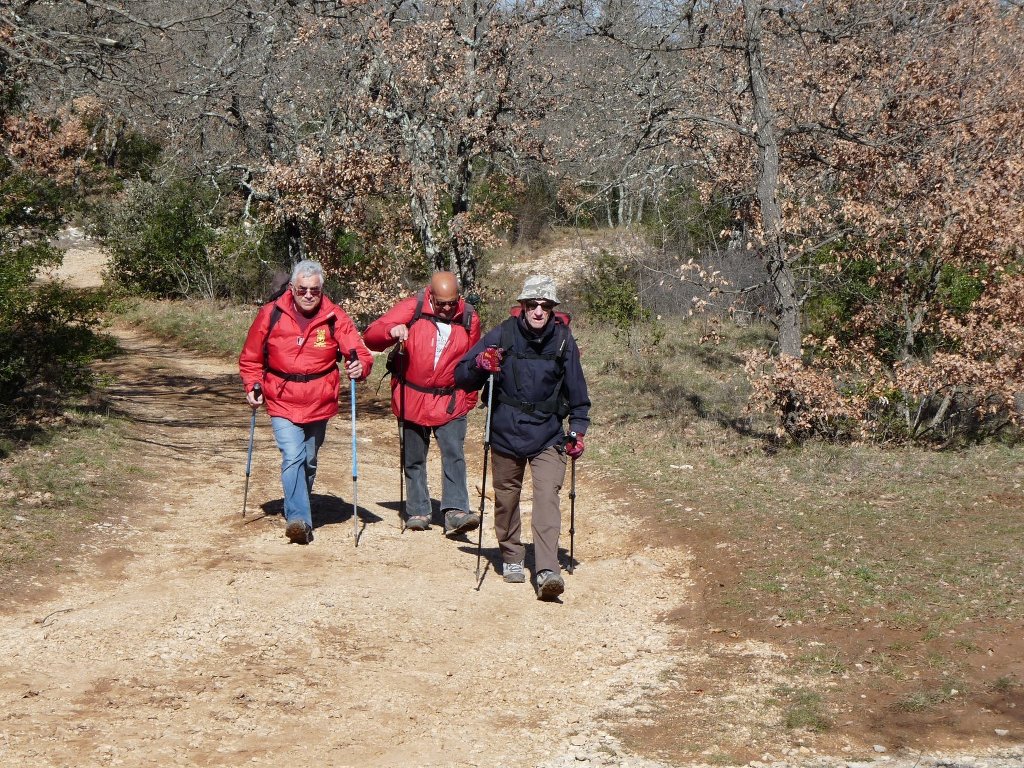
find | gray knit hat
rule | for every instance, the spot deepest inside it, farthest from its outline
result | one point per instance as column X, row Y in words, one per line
column 540, row 287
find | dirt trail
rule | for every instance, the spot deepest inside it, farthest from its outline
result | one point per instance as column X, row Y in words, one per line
column 202, row 639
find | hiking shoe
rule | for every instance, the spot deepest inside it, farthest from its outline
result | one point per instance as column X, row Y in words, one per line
column 513, row 573
column 549, row 585
column 298, row 532
column 418, row 523
column 457, row 521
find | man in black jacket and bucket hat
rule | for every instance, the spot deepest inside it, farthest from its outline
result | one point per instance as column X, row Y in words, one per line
column 538, row 384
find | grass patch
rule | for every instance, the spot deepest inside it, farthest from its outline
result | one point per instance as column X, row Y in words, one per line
column 56, row 487
column 834, row 536
column 926, row 701
column 1005, row 684
column 802, row 709
column 208, row 327
column 826, row 661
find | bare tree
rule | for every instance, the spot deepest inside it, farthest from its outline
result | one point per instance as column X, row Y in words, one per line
column 775, row 100
column 455, row 83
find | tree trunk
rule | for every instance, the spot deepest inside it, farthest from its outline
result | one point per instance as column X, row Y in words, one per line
column 293, row 232
column 783, row 282
column 424, row 222
column 463, row 253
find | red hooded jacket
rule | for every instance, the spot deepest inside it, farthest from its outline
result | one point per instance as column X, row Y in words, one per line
column 292, row 352
column 428, row 409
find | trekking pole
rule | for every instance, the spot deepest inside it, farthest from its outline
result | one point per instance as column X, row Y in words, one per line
column 572, row 509
column 401, row 437
column 352, row 357
column 483, row 483
column 257, row 391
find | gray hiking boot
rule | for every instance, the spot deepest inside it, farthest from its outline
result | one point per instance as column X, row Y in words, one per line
column 549, row 585
column 458, row 521
column 418, row 523
column 513, row 573
column 298, row 532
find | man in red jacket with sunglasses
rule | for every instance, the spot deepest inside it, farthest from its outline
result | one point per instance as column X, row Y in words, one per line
column 290, row 360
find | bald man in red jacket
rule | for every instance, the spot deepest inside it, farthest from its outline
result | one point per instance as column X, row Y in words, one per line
column 425, row 399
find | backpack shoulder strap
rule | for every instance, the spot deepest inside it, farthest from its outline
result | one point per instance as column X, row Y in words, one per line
column 421, row 295
column 331, row 321
column 275, row 315
column 563, row 343
column 508, row 331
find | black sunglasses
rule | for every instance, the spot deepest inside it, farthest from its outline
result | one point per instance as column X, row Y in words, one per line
column 545, row 305
column 446, row 304
column 311, row 291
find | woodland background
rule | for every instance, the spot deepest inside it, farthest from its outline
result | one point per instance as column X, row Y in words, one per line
column 848, row 174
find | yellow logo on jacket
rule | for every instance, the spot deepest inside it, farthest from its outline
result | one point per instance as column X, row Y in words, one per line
column 321, row 338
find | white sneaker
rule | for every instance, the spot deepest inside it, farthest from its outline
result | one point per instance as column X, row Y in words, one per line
column 513, row 573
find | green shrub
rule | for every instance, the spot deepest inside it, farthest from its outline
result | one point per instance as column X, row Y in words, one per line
column 168, row 240
column 244, row 261
column 45, row 351
column 159, row 239
column 46, row 330
column 610, row 294
column 958, row 290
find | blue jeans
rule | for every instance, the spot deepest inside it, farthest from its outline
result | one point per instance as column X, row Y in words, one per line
column 299, row 444
column 451, row 439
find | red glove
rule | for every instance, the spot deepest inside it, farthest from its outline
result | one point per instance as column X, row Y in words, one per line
column 574, row 448
column 489, row 360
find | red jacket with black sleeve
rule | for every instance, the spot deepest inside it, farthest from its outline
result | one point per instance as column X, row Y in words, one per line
column 300, row 376
column 430, row 395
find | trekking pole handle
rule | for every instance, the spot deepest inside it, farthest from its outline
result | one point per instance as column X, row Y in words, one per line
column 569, row 437
column 351, row 357
column 257, row 394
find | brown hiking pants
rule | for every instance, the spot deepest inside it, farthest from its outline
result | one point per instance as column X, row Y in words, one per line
column 547, row 470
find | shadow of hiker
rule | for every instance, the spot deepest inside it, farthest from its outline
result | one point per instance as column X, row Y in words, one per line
column 327, row 510
column 491, row 556
column 273, row 507
column 565, row 561
column 436, row 518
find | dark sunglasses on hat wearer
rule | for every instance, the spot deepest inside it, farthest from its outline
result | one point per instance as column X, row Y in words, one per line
column 531, row 304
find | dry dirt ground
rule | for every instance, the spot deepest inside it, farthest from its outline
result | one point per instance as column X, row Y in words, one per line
column 183, row 634
column 200, row 638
